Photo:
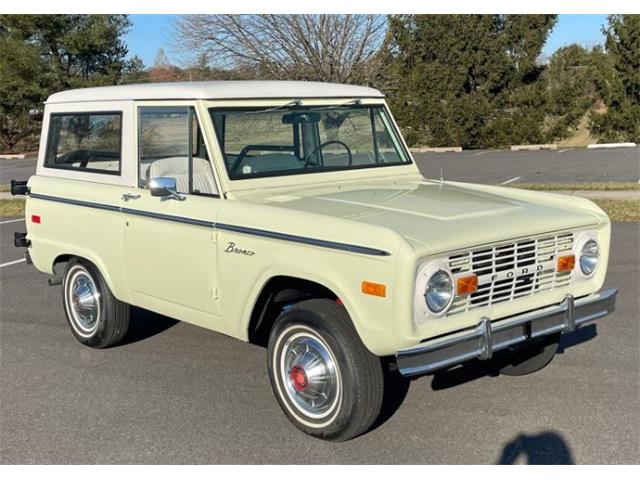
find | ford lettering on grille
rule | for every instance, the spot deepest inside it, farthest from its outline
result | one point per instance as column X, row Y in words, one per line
column 502, row 275
column 511, row 270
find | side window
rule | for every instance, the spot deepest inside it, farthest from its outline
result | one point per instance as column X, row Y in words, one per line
column 171, row 144
column 88, row 142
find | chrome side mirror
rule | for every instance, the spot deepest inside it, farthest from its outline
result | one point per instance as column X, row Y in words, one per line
column 164, row 187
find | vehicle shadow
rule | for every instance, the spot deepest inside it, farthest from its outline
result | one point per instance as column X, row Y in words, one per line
column 546, row 448
column 582, row 335
column 396, row 388
column 474, row 370
column 144, row 324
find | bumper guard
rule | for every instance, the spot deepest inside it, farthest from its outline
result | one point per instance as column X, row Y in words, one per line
column 489, row 337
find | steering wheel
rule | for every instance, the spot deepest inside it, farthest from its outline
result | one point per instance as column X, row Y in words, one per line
column 240, row 158
column 322, row 145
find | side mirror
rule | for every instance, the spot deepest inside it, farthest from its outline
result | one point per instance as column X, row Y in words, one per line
column 164, row 187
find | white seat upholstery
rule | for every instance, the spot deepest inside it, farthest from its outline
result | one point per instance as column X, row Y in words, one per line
column 271, row 162
column 178, row 168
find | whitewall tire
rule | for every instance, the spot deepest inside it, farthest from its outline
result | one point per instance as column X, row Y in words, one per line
column 325, row 380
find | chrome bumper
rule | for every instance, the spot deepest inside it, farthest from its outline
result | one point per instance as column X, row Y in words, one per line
column 488, row 337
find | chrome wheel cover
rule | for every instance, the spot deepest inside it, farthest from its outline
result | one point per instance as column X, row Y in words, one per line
column 82, row 301
column 310, row 374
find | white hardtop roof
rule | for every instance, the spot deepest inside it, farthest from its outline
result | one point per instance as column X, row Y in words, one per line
column 215, row 90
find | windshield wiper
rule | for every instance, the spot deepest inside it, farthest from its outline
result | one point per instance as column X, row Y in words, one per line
column 353, row 101
column 292, row 103
column 298, row 103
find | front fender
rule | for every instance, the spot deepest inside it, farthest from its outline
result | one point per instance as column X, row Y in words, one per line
column 341, row 273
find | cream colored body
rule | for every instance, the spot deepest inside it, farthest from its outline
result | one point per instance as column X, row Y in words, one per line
column 184, row 271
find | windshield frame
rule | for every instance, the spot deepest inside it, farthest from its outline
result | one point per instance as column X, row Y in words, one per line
column 288, row 105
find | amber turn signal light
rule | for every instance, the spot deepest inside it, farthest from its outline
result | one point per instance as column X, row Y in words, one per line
column 566, row 263
column 466, row 285
column 375, row 289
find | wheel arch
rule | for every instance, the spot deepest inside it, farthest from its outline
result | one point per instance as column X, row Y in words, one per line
column 61, row 259
column 277, row 292
column 374, row 330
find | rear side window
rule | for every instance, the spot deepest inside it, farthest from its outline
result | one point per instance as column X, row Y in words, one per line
column 86, row 142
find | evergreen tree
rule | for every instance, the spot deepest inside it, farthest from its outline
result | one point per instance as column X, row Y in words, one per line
column 573, row 78
column 23, row 87
column 135, row 71
column 469, row 80
column 42, row 54
column 621, row 93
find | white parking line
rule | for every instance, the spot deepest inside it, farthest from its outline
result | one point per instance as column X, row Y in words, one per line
column 481, row 153
column 565, row 150
column 11, row 221
column 12, row 263
column 511, row 180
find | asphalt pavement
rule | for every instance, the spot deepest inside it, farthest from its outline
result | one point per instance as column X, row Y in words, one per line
column 176, row 393
column 545, row 166
column 16, row 169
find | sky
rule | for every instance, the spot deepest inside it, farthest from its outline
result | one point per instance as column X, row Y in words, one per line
column 149, row 33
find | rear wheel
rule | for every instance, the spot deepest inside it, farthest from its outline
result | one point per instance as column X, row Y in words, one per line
column 531, row 358
column 326, row 381
column 96, row 317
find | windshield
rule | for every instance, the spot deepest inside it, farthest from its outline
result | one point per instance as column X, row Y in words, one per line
column 294, row 140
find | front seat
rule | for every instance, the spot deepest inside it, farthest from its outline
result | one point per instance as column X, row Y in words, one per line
column 178, row 168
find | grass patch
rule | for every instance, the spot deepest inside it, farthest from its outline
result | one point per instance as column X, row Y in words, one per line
column 11, row 208
column 621, row 210
column 604, row 186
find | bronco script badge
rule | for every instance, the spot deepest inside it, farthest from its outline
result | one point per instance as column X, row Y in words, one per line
column 232, row 248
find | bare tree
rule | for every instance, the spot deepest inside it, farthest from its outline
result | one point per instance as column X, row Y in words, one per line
column 332, row 48
column 162, row 70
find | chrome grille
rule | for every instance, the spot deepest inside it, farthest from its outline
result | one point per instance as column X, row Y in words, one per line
column 511, row 270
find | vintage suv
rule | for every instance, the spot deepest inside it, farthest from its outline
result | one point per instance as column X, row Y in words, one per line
column 291, row 215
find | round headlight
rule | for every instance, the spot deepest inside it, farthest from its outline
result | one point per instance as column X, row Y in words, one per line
column 589, row 256
column 439, row 292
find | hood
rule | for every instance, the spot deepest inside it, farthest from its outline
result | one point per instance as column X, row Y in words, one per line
column 439, row 216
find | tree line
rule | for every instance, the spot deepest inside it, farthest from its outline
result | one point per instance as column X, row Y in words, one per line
column 472, row 80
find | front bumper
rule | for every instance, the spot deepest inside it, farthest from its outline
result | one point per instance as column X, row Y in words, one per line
column 489, row 337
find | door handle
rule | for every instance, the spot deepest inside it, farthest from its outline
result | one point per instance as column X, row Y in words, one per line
column 129, row 196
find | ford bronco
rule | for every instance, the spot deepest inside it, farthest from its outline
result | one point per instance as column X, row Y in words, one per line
column 292, row 215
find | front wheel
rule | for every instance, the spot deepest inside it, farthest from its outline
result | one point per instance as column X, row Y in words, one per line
column 326, row 381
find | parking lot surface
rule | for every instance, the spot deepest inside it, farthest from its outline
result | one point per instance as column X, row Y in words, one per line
column 16, row 169
column 175, row 393
column 568, row 165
